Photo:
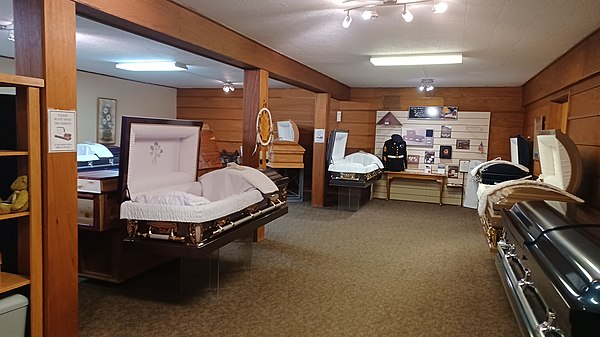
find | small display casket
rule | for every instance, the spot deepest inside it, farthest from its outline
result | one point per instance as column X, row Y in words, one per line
column 549, row 264
column 360, row 167
column 163, row 198
column 285, row 152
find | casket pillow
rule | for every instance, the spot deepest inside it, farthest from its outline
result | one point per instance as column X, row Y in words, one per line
column 18, row 201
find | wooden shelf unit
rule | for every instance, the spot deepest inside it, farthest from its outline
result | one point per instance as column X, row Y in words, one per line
column 28, row 155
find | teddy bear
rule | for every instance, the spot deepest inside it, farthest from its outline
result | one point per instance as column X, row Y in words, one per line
column 18, row 201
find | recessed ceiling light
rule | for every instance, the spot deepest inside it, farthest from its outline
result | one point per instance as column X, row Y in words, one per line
column 151, row 66
column 411, row 60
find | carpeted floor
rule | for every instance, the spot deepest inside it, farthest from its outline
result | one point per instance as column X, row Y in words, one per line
column 391, row 269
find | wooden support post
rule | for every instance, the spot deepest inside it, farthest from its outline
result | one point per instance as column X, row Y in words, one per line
column 45, row 48
column 319, row 169
column 256, row 95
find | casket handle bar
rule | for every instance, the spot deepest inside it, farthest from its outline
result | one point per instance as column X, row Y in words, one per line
column 170, row 237
column 546, row 327
column 526, row 280
column 259, row 212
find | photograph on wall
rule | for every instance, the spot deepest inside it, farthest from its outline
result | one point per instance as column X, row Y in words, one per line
column 418, row 137
column 433, row 112
column 107, row 118
column 452, row 171
column 427, row 168
column 441, row 169
column 463, row 166
column 446, row 131
column 413, row 158
column 463, row 144
column 445, row 152
column 429, row 157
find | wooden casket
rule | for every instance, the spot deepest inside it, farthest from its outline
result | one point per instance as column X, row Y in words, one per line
column 164, row 201
column 360, row 168
column 285, row 152
column 561, row 172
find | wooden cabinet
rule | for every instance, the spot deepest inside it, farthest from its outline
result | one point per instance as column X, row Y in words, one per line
column 26, row 156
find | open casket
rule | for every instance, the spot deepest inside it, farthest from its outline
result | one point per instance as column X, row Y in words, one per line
column 164, row 200
column 285, row 152
column 561, row 172
column 359, row 168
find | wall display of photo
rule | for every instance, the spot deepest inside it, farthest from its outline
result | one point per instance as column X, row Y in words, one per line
column 463, row 144
column 433, row 112
column 427, row 168
column 441, row 169
column 107, row 120
column 463, row 166
column 452, row 171
column 445, row 152
column 429, row 157
column 413, row 158
column 418, row 137
column 446, row 131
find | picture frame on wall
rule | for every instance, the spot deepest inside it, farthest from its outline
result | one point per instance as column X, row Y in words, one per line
column 413, row 158
column 463, row 144
column 453, row 171
column 445, row 152
column 107, row 120
column 429, row 157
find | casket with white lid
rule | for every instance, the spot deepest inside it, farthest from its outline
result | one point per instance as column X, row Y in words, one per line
column 163, row 198
column 361, row 167
column 561, row 172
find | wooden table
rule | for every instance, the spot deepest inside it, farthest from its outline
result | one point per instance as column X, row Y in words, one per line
column 439, row 178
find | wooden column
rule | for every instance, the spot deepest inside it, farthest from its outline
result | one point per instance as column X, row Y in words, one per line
column 319, row 169
column 256, row 95
column 45, row 48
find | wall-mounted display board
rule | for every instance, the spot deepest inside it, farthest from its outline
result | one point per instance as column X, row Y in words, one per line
column 433, row 112
column 469, row 131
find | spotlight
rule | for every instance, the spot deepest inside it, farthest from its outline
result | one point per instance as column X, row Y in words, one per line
column 227, row 87
column 440, row 7
column 369, row 14
column 347, row 20
column 407, row 15
column 426, row 84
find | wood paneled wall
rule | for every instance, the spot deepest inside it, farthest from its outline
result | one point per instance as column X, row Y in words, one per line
column 223, row 112
column 573, row 82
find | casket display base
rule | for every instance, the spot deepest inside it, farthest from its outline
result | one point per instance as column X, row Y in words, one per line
column 352, row 197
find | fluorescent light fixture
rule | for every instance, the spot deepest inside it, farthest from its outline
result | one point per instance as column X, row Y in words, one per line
column 152, row 66
column 413, row 60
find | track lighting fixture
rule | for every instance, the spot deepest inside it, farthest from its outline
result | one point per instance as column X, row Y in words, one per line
column 228, row 87
column 370, row 10
column 426, row 84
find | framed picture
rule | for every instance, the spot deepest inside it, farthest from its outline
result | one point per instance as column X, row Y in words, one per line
column 445, row 152
column 418, row 137
column 413, row 158
column 463, row 144
column 107, row 120
column 429, row 157
column 463, row 166
column 453, row 171
column 446, row 131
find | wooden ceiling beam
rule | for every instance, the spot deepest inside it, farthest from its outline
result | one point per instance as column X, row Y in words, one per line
column 178, row 26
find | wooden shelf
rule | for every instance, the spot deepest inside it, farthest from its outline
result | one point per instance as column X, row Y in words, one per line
column 12, row 281
column 9, row 80
column 13, row 215
column 10, row 153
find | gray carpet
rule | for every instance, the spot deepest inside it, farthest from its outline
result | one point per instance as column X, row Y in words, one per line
column 391, row 269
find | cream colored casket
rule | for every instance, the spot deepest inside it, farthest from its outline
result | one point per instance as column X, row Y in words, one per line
column 285, row 152
column 163, row 196
column 561, row 172
column 360, row 167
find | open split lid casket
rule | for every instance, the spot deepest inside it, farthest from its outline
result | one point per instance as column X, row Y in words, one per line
column 163, row 197
column 561, row 173
column 360, row 166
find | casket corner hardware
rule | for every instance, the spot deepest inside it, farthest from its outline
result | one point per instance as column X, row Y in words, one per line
column 132, row 228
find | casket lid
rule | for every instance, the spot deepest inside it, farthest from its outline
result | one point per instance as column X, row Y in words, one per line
column 531, row 219
column 336, row 145
column 157, row 153
column 560, row 160
column 287, row 131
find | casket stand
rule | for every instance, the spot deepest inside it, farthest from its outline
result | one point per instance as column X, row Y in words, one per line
column 169, row 211
column 561, row 172
column 353, row 174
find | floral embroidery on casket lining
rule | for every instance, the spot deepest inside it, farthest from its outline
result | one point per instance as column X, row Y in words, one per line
column 155, row 152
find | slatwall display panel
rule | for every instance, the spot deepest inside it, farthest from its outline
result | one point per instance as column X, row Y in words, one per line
column 470, row 125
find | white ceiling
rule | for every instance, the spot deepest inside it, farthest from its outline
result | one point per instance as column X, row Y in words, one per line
column 504, row 42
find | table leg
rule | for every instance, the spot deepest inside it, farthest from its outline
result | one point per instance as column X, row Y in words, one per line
column 387, row 184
